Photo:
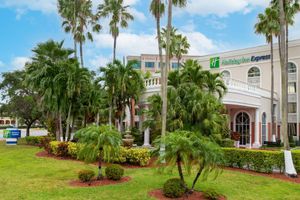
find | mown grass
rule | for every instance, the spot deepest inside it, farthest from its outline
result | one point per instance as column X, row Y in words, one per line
column 25, row 176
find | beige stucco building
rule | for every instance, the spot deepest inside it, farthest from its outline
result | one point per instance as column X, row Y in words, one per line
column 247, row 74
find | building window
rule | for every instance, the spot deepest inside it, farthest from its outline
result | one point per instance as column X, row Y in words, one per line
column 175, row 65
column 225, row 74
column 149, row 64
column 292, row 88
column 292, row 107
column 292, row 68
column 292, row 129
column 254, row 76
column 137, row 65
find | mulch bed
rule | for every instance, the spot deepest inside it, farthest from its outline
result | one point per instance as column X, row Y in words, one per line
column 96, row 183
column 158, row 194
column 279, row 176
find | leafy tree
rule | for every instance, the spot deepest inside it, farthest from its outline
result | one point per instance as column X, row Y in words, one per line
column 119, row 17
column 20, row 101
column 99, row 142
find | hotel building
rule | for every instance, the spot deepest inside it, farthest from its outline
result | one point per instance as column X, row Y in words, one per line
column 247, row 75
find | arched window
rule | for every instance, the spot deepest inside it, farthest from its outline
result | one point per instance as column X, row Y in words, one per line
column 292, row 68
column 225, row 74
column 264, row 128
column 254, row 76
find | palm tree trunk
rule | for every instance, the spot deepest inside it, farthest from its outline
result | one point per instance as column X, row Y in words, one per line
column 179, row 167
column 178, row 63
column 71, row 127
column 197, row 177
column 60, row 126
column 75, row 49
column 68, row 122
column 100, row 176
column 132, row 112
column 272, row 90
column 164, row 78
column 115, row 47
column 284, row 96
column 97, row 118
column 81, row 54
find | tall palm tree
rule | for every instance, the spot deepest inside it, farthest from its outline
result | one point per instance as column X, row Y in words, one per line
column 268, row 25
column 179, row 3
column 119, row 17
column 181, row 47
column 98, row 142
column 78, row 16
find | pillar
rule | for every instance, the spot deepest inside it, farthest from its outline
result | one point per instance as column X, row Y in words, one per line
column 256, row 138
column 147, row 138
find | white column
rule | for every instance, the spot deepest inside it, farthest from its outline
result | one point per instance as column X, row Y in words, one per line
column 256, row 136
column 147, row 138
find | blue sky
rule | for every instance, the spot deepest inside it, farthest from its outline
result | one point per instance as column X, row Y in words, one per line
column 210, row 25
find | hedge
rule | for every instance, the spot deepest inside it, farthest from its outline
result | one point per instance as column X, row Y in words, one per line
column 135, row 156
column 258, row 160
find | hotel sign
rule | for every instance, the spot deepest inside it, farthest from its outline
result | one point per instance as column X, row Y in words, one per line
column 215, row 61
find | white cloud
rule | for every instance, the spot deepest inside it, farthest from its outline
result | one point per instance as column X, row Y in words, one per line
column 136, row 44
column 19, row 62
column 221, row 8
column 295, row 30
column 98, row 61
column 45, row 6
column 1, row 63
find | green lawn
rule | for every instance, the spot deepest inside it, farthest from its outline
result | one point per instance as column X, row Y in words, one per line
column 24, row 176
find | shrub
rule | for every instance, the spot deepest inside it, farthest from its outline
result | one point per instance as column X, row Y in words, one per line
column 256, row 160
column 173, row 188
column 32, row 140
column 45, row 143
column 114, row 172
column 135, row 156
column 227, row 143
column 62, row 149
column 73, row 149
column 86, row 175
column 211, row 194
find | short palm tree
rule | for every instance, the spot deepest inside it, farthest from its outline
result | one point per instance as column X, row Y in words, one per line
column 214, row 83
column 119, row 17
column 99, row 142
column 181, row 47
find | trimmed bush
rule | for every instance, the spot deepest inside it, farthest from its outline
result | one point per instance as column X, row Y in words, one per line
column 114, row 172
column 45, row 143
column 135, row 156
column 86, row 175
column 73, row 149
column 211, row 194
column 173, row 188
column 62, row 149
column 256, row 160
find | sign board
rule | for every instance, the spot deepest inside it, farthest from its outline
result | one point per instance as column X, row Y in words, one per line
column 214, row 62
column 11, row 133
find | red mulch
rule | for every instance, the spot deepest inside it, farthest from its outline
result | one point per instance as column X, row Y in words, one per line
column 95, row 183
column 158, row 194
column 279, row 176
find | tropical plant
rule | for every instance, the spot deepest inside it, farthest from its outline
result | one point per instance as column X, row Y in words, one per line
column 98, row 142
column 268, row 25
column 181, row 47
column 119, row 17
column 78, row 16
column 185, row 149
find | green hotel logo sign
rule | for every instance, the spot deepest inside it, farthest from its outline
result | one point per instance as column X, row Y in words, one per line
column 215, row 62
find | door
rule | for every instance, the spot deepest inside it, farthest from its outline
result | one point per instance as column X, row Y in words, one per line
column 242, row 126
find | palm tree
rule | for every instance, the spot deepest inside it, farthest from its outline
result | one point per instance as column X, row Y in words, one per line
column 268, row 25
column 214, row 83
column 77, row 15
column 181, row 47
column 40, row 73
column 180, row 3
column 98, row 142
column 119, row 17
